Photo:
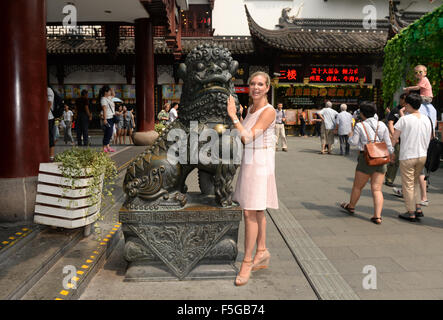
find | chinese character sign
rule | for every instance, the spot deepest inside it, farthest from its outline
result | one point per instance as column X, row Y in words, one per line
column 326, row 74
column 339, row 74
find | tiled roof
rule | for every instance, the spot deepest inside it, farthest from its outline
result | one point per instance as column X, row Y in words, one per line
column 319, row 39
column 236, row 45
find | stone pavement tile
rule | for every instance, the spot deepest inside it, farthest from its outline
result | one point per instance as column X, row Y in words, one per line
column 421, row 263
column 381, row 251
column 318, row 231
column 343, row 240
column 355, row 266
column 276, row 283
column 355, row 281
column 364, row 230
column 438, row 293
column 334, row 253
column 413, row 280
column 394, row 239
column 398, row 295
column 283, row 280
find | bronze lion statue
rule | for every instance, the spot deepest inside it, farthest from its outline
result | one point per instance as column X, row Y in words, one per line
column 154, row 181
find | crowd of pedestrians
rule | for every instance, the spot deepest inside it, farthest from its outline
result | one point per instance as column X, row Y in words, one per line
column 410, row 127
column 116, row 124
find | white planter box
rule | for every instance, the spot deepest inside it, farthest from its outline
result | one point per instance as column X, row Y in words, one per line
column 59, row 206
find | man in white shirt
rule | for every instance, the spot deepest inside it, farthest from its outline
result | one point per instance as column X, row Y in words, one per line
column 414, row 129
column 51, row 121
column 344, row 126
column 280, row 119
column 328, row 117
column 173, row 115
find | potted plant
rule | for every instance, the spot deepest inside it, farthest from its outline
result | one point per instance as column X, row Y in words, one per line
column 70, row 190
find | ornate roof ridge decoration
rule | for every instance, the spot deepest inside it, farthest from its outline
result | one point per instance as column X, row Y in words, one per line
column 330, row 23
column 319, row 39
column 235, row 44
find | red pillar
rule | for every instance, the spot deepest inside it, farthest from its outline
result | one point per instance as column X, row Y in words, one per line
column 144, row 74
column 23, row 88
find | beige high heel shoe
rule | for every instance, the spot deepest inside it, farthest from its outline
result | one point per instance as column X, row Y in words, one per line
column 241, row 281
column 263, row 263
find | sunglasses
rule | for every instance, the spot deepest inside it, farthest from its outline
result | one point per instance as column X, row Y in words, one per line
column 418, row 72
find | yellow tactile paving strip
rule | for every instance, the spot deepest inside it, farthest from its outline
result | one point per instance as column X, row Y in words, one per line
column 14, row 238
column 87, row 263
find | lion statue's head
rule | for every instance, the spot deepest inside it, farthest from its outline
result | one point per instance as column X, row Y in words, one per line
column 207, row 75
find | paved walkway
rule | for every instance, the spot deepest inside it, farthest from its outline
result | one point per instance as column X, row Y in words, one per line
column 406, row 257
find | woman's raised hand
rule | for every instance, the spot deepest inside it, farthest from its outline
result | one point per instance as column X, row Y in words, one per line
column 231, row 108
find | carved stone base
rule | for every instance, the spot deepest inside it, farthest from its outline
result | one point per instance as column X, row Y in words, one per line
column 142, row 271
column 198, row 241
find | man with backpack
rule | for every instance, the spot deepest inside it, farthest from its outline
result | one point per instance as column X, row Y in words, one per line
column 428, row 110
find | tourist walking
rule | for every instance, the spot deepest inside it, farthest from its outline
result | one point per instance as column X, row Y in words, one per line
column 108, row 107
column 163, row 115
column 83, row 118
column 173, row 114
column 427, row 110
column 280, row 119
column 302, row 118
column 51, row 122
column 369, row 129
column 415, row 131
column 68, row 117
column 327, row 115
column 316, row 120
column 256, row 189
column 392, row 118
column 118, row 125
column 128, row 125
column 344, row 127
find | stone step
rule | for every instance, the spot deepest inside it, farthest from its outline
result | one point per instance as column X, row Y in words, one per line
column 31, row 264
column 70, row 275
column 22, row 269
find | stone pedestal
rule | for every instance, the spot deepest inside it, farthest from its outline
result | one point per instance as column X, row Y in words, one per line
column 196, row 242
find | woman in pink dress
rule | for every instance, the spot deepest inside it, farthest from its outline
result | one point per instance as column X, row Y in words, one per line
column 256, row 189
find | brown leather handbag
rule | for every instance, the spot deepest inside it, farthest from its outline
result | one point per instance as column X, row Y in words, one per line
column 376, row 153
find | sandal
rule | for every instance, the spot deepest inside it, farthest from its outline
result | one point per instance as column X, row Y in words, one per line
column 345, row 206
column 408, row 216
column 419, row 213
column 263, row 263
column 376, row 220
column 397, row 192
column 242, row 280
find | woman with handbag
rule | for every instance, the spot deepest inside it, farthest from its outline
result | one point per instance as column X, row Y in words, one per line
column 367, row 131
column 108, row 107
column 415, row 131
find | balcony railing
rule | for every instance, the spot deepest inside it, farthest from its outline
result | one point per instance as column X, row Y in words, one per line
column 125, row 31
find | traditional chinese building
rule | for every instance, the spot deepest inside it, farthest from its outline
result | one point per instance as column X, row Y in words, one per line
column 26, row 58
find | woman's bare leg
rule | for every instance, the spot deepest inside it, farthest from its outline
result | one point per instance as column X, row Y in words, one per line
column 251, row 233
column 377, row 194
column 360, row 180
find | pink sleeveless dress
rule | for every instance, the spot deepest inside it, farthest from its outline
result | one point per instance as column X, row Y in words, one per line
column 256, row 188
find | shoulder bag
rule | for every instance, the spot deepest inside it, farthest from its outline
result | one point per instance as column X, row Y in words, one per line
column 435, row 150
column 376, row 153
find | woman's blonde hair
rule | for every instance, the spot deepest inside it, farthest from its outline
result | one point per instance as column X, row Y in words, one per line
column 260, row 73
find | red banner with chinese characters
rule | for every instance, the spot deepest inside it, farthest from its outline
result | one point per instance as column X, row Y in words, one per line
column 327, row 74
column 241, row 89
